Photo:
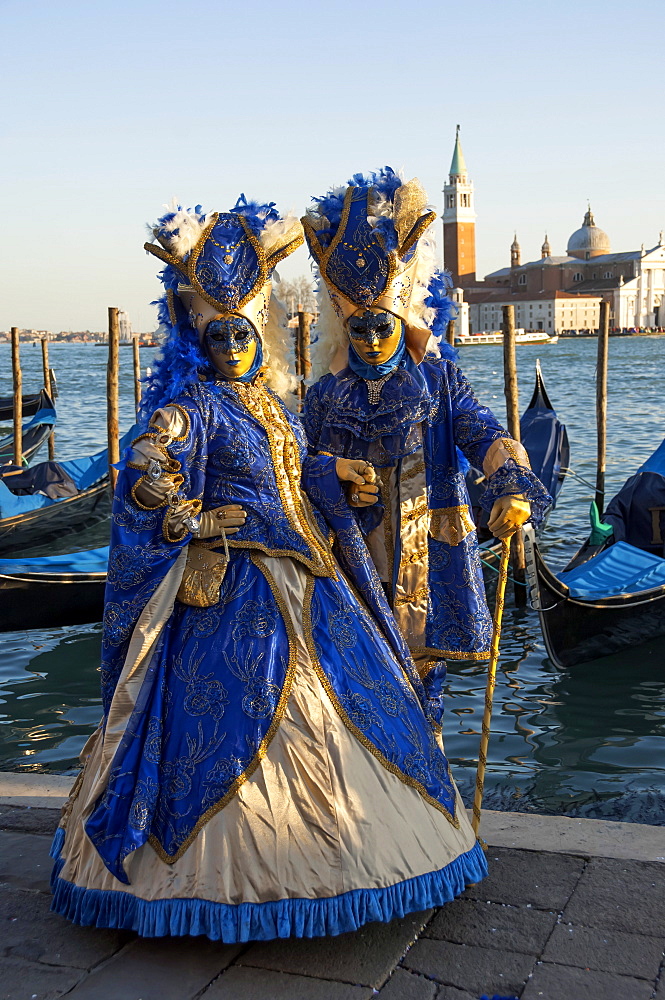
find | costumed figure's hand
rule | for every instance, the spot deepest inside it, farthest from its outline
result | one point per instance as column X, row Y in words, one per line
column 360, row 476
column 230, row 518
column 508, row 515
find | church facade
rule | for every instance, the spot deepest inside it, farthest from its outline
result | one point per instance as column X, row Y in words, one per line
column 552, row 293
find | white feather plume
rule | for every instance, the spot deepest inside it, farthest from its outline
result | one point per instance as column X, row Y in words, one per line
column 182, row 232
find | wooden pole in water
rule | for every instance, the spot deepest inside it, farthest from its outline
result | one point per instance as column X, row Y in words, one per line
column 17, row 378
column 302, row 354
column 112, row 394
column 450, row 332
column 601, row 402
column 137, row 373
column 49, row 389
column 513, row 411
column 491, row 681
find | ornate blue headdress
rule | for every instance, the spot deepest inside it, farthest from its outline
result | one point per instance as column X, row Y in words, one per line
column 373, row 244
column 226, row 259
column 223, row 261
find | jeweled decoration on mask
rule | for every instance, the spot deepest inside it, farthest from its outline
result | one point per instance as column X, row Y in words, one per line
column 369, row 326
column 231, row 344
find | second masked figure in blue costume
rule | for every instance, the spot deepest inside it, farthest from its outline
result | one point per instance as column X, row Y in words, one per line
column 386, row 391
column 265, row 766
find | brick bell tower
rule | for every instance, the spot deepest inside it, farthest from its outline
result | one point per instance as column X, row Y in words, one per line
column 459, row 221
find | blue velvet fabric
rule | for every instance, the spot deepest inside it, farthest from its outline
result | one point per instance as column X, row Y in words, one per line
column 437, row 398
column 218, row 674
column 280, row 918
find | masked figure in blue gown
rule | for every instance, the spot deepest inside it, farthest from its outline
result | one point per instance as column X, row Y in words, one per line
column 385, row 390
column 264, row 767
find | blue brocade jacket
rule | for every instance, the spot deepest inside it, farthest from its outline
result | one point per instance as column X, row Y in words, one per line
column 421, row 536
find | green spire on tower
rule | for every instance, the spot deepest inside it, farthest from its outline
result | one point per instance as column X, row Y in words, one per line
column 458, row 165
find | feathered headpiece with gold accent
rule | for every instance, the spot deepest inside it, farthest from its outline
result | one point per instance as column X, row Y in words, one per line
column 226, row 258
column 373, row 245
column 226, row 262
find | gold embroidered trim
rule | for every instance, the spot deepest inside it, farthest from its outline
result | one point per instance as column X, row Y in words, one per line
column 412, row 472
column 193, row 508
column 417, row 512
column 451, row 524
column 328, row 454
column 185, row 416
column 249, row 544
column 416, row 232
column 274, row 258
column 415, row 557
column 409, row 598
column 449, row 654
column 360, row 736
column 170, row 859
column 287, row 469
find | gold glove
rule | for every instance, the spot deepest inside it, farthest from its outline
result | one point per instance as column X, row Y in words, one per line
column 361, row 479
column 230, row 518
column 508, row 515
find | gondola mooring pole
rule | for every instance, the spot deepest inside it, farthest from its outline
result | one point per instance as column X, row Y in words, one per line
column 601, row 402
column 112, row 394
column 302, row 353
column 450, row 332
column 137, row 373
column 17, row 379
column 49, row 388
column 513, row 411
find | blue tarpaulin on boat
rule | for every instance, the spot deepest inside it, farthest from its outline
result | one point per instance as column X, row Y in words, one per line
column 637, row 512
column 619, row 569
column 85, row 472
column 89, row 561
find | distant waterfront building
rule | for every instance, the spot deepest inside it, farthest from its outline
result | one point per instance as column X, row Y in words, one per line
column 126, row 334
column 552, row 293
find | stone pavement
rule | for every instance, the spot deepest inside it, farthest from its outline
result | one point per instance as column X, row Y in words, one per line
column 562, row 926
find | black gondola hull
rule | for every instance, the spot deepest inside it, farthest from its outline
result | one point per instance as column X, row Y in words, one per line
column 577, row 630
column 34, row 600
column 36, row 527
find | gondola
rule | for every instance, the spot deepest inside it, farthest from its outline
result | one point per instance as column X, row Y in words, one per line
column 545, row 439
column 611, row 595
column 51, row 499
column 35, row 432
column 31, row 403
column 52, row 591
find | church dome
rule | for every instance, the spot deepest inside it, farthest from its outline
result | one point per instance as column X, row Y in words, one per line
column 589, row 241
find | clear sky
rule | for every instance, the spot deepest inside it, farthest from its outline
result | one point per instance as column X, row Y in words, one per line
column 109, row 110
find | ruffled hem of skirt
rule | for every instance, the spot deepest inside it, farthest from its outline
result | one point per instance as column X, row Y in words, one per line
column 282, row 918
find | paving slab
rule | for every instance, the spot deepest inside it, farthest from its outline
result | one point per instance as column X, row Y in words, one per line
column 607, row 951
column 29, row 930
column 158, row 969
column 25, row 861
column 481, row 970
column 365, row 957
column 528, row 878
column 263, row 984
column 592, row 838
column 560, row 982
column 492, row 925
column 620, row 895
column 21, row 980
column 24, row 819
column 30, row 789
column 660, row 988
column 404, row 985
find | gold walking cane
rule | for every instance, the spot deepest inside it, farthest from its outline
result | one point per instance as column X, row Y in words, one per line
column 491, row 680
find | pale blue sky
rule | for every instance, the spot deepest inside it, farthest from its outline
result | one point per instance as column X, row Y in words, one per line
column 110, row 110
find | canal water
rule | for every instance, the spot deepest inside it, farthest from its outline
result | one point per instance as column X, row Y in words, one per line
column 588, row 741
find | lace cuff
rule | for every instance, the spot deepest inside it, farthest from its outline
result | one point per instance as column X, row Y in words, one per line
column 512, row 479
